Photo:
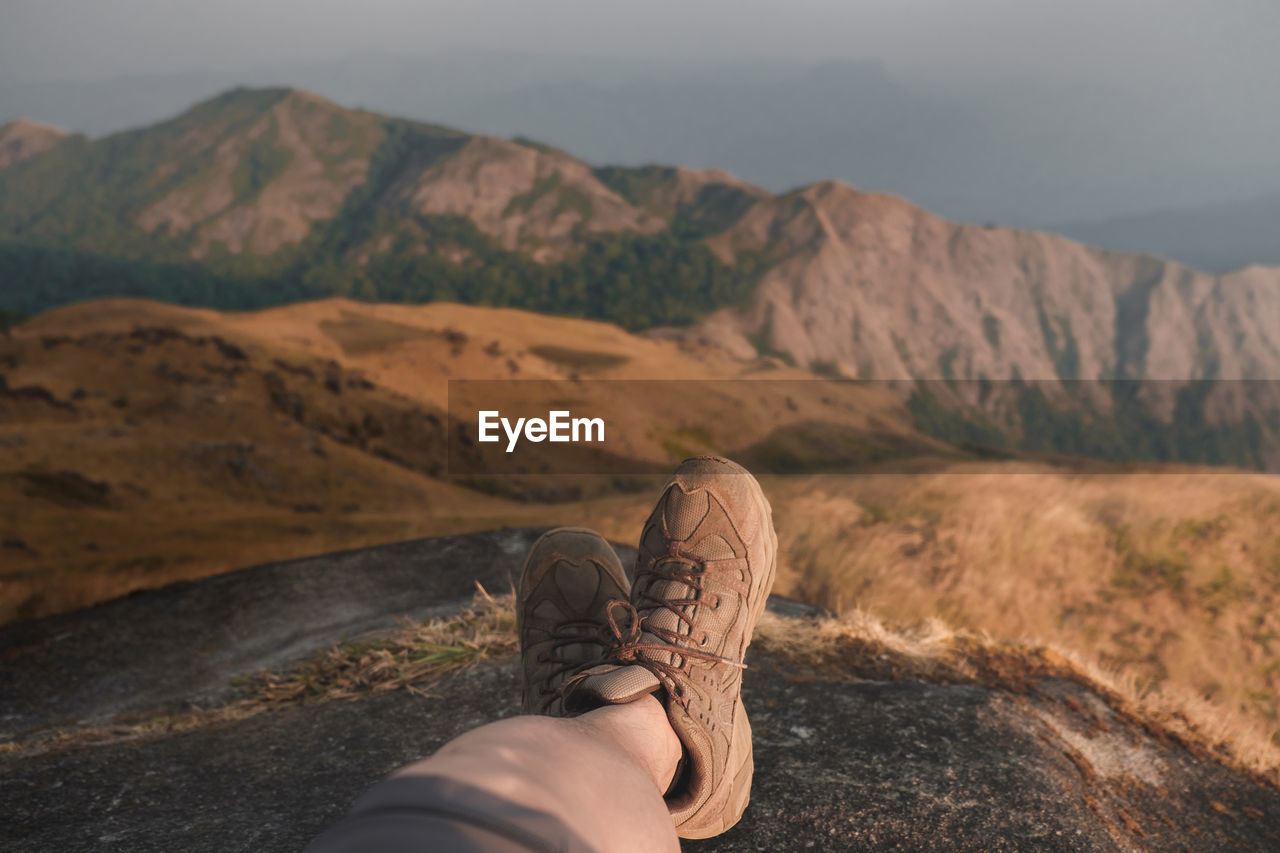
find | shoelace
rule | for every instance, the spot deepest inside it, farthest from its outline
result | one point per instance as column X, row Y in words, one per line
column 626, row 649
column 565, row 634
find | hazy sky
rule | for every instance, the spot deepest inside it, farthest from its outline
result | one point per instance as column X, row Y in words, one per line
column 1141, row 43
column 1026, row 112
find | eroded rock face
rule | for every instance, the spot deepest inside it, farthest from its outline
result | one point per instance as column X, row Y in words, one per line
column 841, row 763
column 886, row 290
column 527, row 198
column 264, row 187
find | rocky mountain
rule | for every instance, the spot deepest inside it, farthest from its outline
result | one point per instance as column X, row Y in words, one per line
column 869, row 286
column 973, row 149
column 264, row 196
column 887, row 290
column 253, row 172
column 259, row 197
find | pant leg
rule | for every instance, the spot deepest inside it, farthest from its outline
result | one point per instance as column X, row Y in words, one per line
column 430, row 814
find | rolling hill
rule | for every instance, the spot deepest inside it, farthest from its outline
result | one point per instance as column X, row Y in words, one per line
column 142, row 443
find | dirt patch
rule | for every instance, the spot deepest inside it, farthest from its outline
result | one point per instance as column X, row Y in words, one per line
column 65, row 488
column 361, row 334
column 581, row 360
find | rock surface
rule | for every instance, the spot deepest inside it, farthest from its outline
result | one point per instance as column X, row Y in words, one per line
column 840, row 763
column 180, row 646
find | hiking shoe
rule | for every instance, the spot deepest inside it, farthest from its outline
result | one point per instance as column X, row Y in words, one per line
column 704, row 572
column 569, row 576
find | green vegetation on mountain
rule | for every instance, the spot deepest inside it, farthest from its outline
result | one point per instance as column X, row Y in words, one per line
column 709, row 209
column 172, row 212
column 637, row 281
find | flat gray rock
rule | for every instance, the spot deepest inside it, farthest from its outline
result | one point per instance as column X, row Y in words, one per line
column 841, row 764
column 179, row 647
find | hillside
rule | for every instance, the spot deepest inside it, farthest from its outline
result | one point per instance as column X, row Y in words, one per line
column 259, row 197
column 1170, row 576
column 21, row 140
column 142, row 443
column 865, row 737
column 871, row 287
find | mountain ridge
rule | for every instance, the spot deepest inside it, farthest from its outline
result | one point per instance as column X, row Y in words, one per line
column 260, row 197
column 22, row 139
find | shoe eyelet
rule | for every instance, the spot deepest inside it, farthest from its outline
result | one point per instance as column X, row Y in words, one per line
column 702, row 641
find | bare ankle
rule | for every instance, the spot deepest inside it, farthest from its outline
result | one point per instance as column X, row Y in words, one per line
column 641, row 730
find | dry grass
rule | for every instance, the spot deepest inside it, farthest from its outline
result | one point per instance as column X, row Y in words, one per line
column 860, row 645
column 416, row 653
column 1172, row 580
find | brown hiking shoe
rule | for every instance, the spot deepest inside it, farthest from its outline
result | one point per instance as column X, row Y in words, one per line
column 704, row 572
column 568, row 579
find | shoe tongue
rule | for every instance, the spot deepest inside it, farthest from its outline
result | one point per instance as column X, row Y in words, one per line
column 610, row 684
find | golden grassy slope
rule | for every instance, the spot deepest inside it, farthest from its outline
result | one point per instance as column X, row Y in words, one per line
column 155, row 443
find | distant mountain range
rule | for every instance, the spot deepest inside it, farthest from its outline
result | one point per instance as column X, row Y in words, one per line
column 1217, row 237
column 260, row 197
column 1019, row 152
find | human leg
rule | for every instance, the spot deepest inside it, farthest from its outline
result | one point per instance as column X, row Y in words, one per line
column 594, row 782
column 602, row 774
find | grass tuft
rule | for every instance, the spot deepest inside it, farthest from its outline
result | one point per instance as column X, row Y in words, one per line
column 416, row 653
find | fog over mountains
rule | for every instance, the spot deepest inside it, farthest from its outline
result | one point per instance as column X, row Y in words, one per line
column 1024, row 153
